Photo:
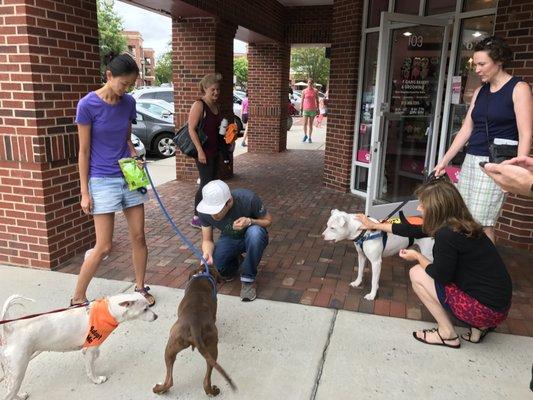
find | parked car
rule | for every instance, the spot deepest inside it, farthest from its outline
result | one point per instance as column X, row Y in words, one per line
column 167, row 94
column 158, row 107
column 154, row 93
column 156, row 133
column 139, row 146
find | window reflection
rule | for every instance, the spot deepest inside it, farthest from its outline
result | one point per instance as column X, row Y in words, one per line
column 407, row 6
column 440, row 6
column 375, row 8
column 471, row 5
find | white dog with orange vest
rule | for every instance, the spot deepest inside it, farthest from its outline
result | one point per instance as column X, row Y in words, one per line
column 73, row 329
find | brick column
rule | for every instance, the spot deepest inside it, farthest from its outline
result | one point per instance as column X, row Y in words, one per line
column 345, row 47
column 514, row 23
column 48, row 61
column 200, row 46
column 268, row 91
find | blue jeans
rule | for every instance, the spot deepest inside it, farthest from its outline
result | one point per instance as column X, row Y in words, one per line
column 228, row 249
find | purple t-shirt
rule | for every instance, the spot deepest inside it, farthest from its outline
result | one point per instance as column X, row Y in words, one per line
column 109, row 129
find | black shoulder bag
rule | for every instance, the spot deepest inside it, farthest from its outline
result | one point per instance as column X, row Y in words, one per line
column 183, row 138
column 498, row 152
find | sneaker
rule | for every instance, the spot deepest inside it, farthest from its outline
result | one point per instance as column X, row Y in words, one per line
column 195, row 222
column 227, row 278
column 304, row 139
column 248, row 291
column 147, row 296
column 310, row 141
column 88, row 253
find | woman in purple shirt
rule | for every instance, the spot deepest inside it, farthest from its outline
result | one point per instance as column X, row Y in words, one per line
column 104, row 120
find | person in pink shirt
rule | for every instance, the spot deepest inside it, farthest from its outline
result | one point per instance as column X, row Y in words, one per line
column 310, row 108
column 245, row 119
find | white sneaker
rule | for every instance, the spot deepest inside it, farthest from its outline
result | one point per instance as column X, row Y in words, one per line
column 88, row 253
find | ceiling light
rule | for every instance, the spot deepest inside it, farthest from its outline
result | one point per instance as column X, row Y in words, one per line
column 476, row 34
column 407, row 33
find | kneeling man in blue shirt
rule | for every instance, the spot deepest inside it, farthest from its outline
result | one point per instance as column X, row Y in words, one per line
column 242, row 220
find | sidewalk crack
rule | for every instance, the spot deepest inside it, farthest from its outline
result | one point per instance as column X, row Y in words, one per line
column 324, row 355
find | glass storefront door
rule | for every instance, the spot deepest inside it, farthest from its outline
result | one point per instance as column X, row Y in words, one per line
column 409, row 93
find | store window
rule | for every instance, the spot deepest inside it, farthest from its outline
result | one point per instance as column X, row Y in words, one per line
column 473, row 30
column 434, row 7
column 367, row 103
column 472, row 5
column 361, row 179
column 407, row 6
column 375, row 8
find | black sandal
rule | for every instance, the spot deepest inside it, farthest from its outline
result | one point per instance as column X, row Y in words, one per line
column 443, row 341
column 482, row 333
column 147, row 296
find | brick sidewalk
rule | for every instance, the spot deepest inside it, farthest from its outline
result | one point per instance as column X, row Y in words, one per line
column 298, row 266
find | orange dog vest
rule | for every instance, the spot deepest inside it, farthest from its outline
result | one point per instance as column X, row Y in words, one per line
column 101, row 323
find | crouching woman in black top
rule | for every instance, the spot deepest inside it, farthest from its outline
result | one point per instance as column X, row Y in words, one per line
column 467, row 276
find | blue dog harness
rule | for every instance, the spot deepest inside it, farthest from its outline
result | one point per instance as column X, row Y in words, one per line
column 207, row 276
column 359, row 240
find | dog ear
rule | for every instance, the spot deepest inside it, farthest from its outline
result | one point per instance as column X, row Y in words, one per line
column 334, row 211
column 340, row 221
column 126, row 303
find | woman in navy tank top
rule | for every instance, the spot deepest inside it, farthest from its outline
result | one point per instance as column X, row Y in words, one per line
column 502, row 108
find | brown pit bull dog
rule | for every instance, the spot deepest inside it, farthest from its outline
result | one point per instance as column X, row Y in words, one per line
column 196, row 327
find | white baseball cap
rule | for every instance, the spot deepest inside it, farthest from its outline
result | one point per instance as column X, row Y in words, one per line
column 214, row 197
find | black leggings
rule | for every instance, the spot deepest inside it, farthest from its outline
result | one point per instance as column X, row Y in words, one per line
column 208, row 172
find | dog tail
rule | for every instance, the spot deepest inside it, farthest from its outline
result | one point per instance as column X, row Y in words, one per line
column 12, row 300
column 202, row 349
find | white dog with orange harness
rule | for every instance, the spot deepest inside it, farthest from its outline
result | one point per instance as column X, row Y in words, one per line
column 370, row 245
column 69, row 330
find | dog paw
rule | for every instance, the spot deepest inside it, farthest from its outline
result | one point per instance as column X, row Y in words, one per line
column 356, row 283
column 99, row 379
column 159, row 388
column 370, row 296
column 214, row 391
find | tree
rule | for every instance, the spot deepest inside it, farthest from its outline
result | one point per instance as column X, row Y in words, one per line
column 163, row 67
column 110, row 30
column 240, row 70
column 310, row 62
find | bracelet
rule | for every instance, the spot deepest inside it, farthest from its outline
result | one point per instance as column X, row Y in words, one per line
column 250, row 224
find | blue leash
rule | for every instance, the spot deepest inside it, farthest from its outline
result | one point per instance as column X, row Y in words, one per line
column 184, row 238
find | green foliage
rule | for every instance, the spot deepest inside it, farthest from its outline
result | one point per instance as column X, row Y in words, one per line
column 310, row 62
column 240, row 70
column 163, row 68
column 110, row 30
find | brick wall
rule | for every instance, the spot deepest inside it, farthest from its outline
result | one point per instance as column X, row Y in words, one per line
column 345, row 45
column 310, row 24
column 200, row 46
column 48, row 61
column 268, row 91
column 514, row 22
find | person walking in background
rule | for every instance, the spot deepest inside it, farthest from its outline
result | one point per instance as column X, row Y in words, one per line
column 323, row 108
column 104, row 120
column 501, row 109
column 207, row 109
column 467, row 276
column 310, row 109
column 245, row 120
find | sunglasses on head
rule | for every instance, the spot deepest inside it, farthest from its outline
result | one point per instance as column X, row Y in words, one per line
column 433, row 178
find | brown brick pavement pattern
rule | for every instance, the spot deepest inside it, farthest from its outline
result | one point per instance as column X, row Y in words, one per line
column 298, row 266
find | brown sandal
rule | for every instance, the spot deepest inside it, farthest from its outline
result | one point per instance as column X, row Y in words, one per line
column 147, row 296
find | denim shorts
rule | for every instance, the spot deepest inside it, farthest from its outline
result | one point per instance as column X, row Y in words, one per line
column 109, row 195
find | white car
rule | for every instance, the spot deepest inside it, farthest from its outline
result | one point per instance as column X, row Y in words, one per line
column 139, row 146
column 154, row 93
column 159, row 108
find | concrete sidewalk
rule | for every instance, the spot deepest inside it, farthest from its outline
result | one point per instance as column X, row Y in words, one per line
column 271, row 350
